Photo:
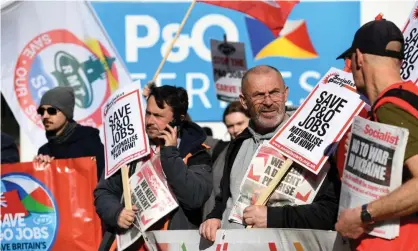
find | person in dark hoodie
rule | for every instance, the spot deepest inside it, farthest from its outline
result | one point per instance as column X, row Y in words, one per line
column 185, row 161
column 264, row 95
column 9, row 151
column 66, row 138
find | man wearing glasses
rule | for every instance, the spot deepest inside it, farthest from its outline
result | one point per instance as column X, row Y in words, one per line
column 264, row 95
column 66, row 138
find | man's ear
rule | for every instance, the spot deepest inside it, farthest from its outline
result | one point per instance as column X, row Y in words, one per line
column 243, row 101
column 286, row 92
column 359, row 57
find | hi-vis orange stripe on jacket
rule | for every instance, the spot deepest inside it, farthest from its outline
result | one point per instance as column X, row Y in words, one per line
column 405, row 96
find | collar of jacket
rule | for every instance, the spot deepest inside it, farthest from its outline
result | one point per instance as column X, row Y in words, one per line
column 78, row 133
column 192, row 137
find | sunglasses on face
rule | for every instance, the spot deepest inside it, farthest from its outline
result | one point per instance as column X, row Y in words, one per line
column 49, row 110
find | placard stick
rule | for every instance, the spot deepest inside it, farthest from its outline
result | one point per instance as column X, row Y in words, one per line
column 126, row 187
column 167, row 53
column 268, row 191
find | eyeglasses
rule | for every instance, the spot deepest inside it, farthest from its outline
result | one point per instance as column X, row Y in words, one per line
column 49, row 110
column 275, row 95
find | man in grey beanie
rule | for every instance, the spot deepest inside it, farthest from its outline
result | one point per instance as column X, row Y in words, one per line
column 66, row 138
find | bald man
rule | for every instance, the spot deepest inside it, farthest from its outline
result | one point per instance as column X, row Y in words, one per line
column 376, row 62
column 264, row 95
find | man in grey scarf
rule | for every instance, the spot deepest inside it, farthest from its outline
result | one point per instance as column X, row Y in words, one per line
column 66, row 138
column 264, row 95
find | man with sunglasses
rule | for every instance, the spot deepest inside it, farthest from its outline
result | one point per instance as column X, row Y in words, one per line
column 66, row 138
column 264, row 95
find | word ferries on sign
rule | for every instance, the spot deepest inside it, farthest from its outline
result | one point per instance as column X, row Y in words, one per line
column 124, row 128
column 311, row 135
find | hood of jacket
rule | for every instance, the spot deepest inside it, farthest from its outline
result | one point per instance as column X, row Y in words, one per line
column 192, row 137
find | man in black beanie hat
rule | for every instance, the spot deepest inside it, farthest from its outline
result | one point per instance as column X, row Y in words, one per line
column 66, row 138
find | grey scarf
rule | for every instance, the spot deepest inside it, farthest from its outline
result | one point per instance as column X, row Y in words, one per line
column 66, row 133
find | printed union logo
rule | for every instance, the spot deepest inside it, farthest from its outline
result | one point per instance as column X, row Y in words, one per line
column 336, row 79
column 328, row 77
column 415, row 15
column 29, row 217
column 59, row 58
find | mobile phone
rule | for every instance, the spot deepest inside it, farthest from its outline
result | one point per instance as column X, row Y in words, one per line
column 173, row 123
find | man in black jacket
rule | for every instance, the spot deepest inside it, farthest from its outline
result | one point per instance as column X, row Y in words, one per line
column 9, row 151
column 66, row 138
column 185, row 162
column 264, row 95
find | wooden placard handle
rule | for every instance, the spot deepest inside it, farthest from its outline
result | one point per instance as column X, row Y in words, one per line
column 126, row 187
column 268, row 191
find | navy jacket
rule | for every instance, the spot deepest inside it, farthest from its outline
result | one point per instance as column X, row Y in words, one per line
column 9, row 152
column 83, row 142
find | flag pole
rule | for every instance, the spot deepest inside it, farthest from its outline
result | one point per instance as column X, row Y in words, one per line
column 167, row 53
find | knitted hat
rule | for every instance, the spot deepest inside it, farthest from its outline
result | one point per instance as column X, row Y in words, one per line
column 61, row 98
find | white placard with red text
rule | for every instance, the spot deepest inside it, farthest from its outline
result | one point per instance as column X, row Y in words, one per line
column 229, row 65
column 151, row 195
column 311, row 135
column 298, row 187
column 124, row 129
column 266, row 239
column 409, row 68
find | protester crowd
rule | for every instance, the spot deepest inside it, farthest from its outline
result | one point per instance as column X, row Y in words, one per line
column 205, row 174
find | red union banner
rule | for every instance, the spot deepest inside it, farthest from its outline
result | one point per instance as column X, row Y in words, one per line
column 49, row 208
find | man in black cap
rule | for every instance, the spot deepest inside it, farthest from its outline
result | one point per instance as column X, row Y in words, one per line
column 66, row 138
column 376, row 60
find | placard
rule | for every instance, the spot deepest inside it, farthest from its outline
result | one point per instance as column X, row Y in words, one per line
column 229, row 65
column 298, row 187
column 373, row 168
column 310, row 136
column 409, row 67
column 124, row 129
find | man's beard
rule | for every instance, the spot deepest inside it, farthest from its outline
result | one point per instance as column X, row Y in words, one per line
column 49, row 126
column 268, row 124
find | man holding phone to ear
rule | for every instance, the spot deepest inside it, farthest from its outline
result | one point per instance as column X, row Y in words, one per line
column 184, row 159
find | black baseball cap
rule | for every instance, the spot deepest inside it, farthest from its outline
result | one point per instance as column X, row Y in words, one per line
column 373, row 37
